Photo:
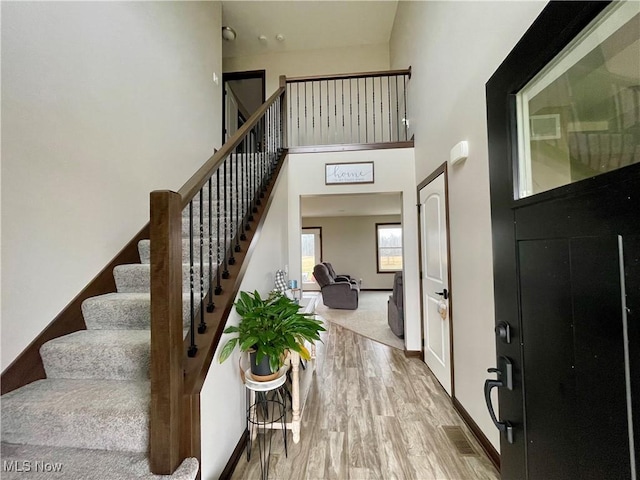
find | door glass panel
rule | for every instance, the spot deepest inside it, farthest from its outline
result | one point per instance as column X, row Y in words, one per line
column 580, row 116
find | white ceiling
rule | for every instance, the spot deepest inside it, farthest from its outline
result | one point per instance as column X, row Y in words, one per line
column 354, row 205
column 305, row 24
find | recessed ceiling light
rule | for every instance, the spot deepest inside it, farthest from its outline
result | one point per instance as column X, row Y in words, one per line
column 263, row 38
column 280, row 37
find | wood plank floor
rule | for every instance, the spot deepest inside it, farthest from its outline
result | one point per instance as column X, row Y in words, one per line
column 371, row 413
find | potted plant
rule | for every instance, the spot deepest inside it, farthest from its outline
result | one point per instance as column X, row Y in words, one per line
column 268, row 328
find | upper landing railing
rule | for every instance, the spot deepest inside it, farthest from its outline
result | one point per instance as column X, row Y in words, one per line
column 347, row 109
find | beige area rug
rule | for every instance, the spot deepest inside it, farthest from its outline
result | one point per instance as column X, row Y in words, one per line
column 369, row 320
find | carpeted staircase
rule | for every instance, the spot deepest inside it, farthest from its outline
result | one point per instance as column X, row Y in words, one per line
column 89, row 419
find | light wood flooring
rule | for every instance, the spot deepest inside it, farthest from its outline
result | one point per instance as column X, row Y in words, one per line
column 371, row 413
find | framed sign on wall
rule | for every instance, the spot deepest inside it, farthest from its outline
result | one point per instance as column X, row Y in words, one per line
column 345, row 173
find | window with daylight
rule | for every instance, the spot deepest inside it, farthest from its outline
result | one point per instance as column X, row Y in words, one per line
column 389, row 247
column 311, row 255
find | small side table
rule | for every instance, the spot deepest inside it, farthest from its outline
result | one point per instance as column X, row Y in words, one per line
column 264, row 415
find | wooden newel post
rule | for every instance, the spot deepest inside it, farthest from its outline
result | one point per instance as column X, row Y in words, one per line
column 283, row 112
column 166, row 370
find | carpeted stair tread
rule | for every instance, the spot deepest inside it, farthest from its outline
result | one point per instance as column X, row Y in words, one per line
column 144, row 249
column 123, row 311
column 205, row 224
column 83, row 464
column 135, row 277
column 96, row 414
column 106, row 354
column 231, row 202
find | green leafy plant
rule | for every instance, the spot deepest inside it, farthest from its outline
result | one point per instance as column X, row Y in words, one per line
column 271, row 326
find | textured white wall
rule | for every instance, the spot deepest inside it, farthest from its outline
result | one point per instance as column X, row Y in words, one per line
column 102, row 102
column 222, row 398
column 349, row 244
column 329, row 61
column 394, row 172
column 453, row 48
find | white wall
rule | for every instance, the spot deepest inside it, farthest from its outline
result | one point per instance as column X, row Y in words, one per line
column 349, row 244
column 222, row 398
column 360, row 58
column 453, row 48
column 102, row 102
column 394, row 171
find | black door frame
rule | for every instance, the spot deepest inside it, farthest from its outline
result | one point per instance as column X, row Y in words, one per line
column 556, row 26
column 227, row 76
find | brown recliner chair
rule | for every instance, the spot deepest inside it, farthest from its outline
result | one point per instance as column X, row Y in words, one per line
column 335, row 294
column 342, row 277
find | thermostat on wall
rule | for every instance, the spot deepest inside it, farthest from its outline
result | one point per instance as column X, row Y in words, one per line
column 459, row 152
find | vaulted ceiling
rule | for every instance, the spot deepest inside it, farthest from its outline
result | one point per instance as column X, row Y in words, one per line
column 305, row 25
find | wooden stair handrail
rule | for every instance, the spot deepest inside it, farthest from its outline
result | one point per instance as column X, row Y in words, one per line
column 346, row 76
column 177, row 379
column 198, row 180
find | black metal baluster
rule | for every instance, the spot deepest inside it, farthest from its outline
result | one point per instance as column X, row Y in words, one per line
column 245, row 182
column 254, row 180
column 350, row 112
column 397, row 112
column 202, row 327
column 260, row 165
column 193, row 349
column 232, row 258
column 373, row 106
column 274, row 128
column 358, row 107
column 389, row 101
column 306, row 125
column 218, row 290
column 404, row 98
column 225, row 259
column 265, row 155
column 265, row 126
column 237, row 228
column 335, row 109
column 270, row 140
column 320, row 104
column 313, row 115
column 342, row 96
column 210, row 306
column 297, row 108
column 366, row 113
column 381, row 113
column 328, row 116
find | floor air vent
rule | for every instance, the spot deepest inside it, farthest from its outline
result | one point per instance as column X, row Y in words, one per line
column 459, row 440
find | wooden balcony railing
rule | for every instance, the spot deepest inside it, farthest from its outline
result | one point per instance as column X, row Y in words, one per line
column 348, row 109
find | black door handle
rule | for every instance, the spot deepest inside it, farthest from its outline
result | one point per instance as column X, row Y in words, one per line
column 444, row 293
column 507, row 382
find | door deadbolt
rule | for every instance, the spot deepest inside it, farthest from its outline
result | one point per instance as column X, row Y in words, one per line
column 503, row 332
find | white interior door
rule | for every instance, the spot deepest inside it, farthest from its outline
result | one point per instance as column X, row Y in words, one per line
column 435, row 280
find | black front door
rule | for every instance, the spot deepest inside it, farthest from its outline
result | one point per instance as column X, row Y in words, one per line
column 566, row 258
